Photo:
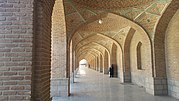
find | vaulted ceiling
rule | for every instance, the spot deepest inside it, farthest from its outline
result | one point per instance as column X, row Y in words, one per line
column 82, row 20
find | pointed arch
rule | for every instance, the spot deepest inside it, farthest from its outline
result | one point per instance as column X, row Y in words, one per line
column 172, row 55
column 159, row 39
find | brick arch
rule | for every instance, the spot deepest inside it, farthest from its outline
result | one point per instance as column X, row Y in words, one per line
column 172, row 55
column 91, row 43
column 103, row 16
column 92, row 37
column 159, row 62
column 90, row 20
column 159, row 39
column 103, row 36
column 88, row 50
column 92, row 53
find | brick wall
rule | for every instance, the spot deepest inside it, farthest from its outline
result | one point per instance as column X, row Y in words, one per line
column 139, row 75
column 126, row 58
column 172, row 55
column 159, row 39
column 162, row 65
column 16, row 41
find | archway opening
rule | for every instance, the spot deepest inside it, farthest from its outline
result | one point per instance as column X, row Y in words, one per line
column 83, row 64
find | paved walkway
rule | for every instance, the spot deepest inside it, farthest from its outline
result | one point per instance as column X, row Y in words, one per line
column 93, row 86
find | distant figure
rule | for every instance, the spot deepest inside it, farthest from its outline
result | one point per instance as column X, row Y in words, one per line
column 111, row 71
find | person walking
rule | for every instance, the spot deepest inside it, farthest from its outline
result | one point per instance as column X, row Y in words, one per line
column 111, row 71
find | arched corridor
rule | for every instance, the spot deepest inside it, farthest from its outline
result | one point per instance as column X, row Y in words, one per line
column 91, row 85
column 43, row 41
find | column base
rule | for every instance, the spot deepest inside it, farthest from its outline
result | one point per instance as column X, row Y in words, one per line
column 60, row 87
column 157, row 86
column 127, row 77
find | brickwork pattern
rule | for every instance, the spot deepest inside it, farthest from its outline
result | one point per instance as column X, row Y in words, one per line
column 110, row 4
column 59, row 44
column 137, row 74
column 42, row 48
column 25, row 44
column 145, row 12
column 159, row 47
column 172, row 55
column 16, row 49
column 60, row 55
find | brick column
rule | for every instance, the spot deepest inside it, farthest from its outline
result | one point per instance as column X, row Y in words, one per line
column 59, row 79
column 42, row 50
